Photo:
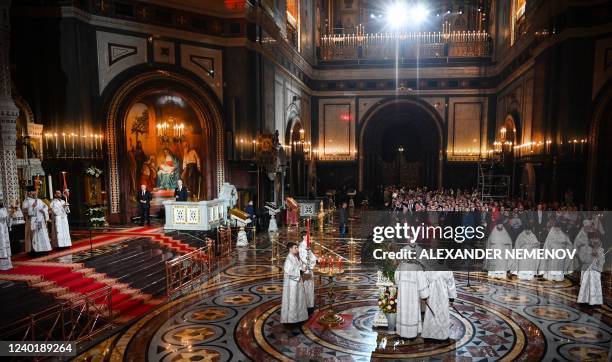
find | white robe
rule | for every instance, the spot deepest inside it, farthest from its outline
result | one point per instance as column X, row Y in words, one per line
column 526, row 268
column 411, row 288
column 590, row 278
column 38, row 215
column 310, row 259
column 293, row 305
column 61, row 230
column 555, row 269
column 441, row 287
column 581, row 239
column 498, row 239
column 5, row 242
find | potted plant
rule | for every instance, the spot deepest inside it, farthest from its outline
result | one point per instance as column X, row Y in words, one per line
column 387, row 303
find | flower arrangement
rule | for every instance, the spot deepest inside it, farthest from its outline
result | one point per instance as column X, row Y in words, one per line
column 387, row 301
column 93, row 171
column 97, row 216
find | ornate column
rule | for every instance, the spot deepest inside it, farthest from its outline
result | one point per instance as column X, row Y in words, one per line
column 9, row 183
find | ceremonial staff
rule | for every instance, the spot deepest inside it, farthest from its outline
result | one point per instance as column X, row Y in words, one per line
column 66, row 192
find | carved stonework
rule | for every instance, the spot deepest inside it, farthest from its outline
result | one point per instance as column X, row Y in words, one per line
column 9, row 184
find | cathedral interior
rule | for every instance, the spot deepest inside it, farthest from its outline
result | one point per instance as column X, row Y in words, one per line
column 285, row 117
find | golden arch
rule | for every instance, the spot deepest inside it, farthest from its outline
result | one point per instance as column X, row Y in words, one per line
column 204, row 102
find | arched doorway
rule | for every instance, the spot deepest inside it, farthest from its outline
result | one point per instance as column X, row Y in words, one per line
column 599, row 175
column 163, row 126
column 400, row 142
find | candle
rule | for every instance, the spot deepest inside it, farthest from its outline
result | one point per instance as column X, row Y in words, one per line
column 64, row 138
column 73, row 148
column 50, row 182
column 55, row 146
column 322, row 261
column 65, row 186
column 47, row 142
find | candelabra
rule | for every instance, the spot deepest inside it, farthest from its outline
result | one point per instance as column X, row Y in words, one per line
column 330, row 268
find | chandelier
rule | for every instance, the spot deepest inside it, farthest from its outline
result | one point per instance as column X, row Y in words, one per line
column 170, row 130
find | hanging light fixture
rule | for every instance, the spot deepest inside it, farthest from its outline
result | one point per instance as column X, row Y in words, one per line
column 170, row 129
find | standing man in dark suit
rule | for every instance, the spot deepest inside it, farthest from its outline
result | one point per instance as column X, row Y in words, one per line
column 144, row 204
column 180, row 192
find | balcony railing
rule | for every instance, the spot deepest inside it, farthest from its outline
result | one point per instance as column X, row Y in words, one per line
column 430, row 45
column 78, row 320
column 187, row 271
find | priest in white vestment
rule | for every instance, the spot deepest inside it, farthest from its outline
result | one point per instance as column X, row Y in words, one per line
column 555, row 269
column 593, row 258
column 411, row 288
column 526, row 269
column 293, row 305
column 38, row 215
column 61, row 230
column 442, row 292
column 29, row 199
column 5, row 242
column 309, row 258
column 582, row 239
column 498, row 239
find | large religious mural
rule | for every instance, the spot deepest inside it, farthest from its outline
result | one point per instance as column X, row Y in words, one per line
column 165, row 143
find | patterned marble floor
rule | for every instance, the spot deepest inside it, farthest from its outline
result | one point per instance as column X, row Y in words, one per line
column 235, row 317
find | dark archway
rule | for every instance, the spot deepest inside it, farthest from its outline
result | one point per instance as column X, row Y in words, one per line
column 599, row 175
column 400, row 143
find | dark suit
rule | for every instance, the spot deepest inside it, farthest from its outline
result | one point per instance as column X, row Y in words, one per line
column 180, row 195
column 144, row 205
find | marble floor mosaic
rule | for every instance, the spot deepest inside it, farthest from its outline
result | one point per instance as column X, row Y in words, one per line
column 234, row 316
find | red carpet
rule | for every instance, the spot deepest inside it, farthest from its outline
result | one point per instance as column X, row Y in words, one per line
column 123, row 305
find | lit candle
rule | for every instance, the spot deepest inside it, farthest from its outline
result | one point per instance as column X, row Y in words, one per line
column 50, row 186
column 73, row 148
column 64, row 138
